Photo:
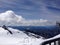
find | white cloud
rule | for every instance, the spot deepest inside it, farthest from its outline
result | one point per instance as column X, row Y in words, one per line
column 10, row 18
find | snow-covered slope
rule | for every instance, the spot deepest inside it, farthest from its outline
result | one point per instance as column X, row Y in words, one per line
column 17, row 38
column 20, row 37
column 52, row 40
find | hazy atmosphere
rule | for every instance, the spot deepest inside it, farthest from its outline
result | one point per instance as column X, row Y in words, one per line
column 32, row 10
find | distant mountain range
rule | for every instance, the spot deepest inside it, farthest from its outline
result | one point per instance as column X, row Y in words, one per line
column 44, row 31
column 27, row 36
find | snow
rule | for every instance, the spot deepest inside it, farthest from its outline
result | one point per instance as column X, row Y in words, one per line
column 17, row 38
column 20, row 38
column 55, row 37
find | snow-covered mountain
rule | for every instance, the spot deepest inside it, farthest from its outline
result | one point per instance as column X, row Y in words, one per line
column 20, row 37
column 17, row 37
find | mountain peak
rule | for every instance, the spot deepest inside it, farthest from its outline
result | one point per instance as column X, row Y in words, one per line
column 7, row 14
column 9, row 11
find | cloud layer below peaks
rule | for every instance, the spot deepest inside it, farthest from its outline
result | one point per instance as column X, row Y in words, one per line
column 12, row 19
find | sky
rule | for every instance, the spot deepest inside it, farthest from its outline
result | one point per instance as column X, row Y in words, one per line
column 9, row 18
column 46, row 9
column 33, row 9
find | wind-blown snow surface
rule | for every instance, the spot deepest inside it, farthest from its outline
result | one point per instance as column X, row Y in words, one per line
column 17, row 38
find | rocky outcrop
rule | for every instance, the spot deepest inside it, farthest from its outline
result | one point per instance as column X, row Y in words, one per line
column 6, row 28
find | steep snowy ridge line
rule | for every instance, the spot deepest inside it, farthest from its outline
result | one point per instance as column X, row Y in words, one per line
column 33, row 35
column 17, row 38
column 20, row 38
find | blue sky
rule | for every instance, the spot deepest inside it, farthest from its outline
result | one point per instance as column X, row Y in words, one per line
column 33, row 9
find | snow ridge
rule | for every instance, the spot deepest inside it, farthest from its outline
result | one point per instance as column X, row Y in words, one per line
column 17, row 38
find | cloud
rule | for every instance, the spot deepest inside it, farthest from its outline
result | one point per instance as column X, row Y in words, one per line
column 33, row 8
column 10, row 18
